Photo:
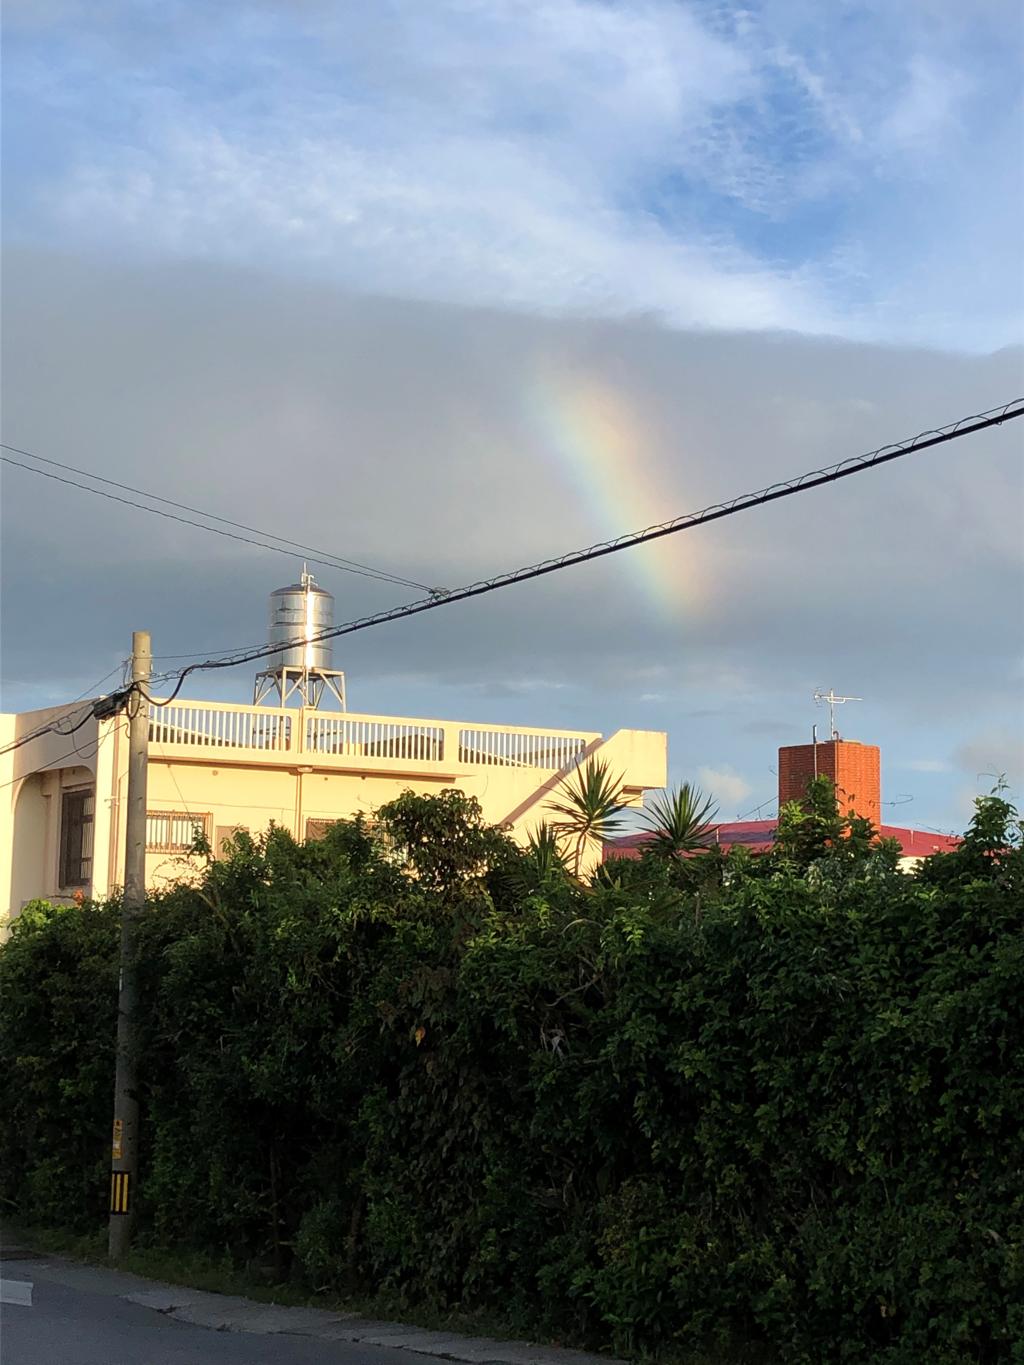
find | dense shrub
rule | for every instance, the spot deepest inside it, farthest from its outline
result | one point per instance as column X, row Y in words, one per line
column 774, row 1099
column 58, row 1017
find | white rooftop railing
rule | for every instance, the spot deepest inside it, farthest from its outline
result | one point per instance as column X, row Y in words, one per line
column 348, row 739
column 204, row 724
column 358, row 737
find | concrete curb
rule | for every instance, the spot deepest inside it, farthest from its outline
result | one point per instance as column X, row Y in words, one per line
column 224, row 1313
column 227, row 1313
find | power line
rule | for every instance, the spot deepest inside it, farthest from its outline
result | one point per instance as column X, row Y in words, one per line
column 52, row 728
column 312, row 555
column 756, row 810
column 60, row 760
column 93, row 688
column 773, row 493
column 53, row 763
column 200, row 654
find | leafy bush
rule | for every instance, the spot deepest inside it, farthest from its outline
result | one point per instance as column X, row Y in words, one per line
column 700, row 1099
column 58, row 1018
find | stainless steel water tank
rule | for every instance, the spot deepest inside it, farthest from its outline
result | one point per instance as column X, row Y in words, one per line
column 297, row 614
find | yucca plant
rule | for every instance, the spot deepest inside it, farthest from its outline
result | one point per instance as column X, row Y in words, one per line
column 588, row 809
column 545, row 855
column 680, row 821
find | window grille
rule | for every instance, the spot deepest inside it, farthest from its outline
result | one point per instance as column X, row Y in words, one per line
column 174, row 831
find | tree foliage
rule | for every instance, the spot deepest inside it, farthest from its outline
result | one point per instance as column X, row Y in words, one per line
column 773, row 1099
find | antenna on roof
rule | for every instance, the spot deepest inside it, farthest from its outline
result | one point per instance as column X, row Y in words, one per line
column 832, row 701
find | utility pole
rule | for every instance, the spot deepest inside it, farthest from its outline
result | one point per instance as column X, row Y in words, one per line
column 124, row 1147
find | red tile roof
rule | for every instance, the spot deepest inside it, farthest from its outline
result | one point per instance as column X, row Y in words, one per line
column 759, row 835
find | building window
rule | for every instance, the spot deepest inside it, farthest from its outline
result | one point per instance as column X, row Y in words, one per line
column 393, row 852
column 317, row 829
column 225, row 837
column 174, row 831
column 76, row 831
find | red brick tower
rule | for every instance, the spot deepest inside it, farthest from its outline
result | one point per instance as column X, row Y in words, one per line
column 855, row 770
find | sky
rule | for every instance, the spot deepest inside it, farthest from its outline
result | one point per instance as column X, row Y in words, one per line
column 449, row 288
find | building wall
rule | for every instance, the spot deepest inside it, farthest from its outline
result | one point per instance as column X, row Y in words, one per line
column 199, row 767
column 33, row 778
column 251, row 796
column 854, row 769
column 29, row 872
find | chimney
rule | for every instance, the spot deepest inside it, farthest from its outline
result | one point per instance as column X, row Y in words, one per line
column 854, row 769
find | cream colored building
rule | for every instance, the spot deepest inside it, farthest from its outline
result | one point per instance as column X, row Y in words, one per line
column 225, row 767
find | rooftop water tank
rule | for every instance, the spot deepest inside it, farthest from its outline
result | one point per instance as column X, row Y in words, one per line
column 298, row 613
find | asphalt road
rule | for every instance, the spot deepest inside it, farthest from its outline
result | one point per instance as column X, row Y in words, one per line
column 74, row 1325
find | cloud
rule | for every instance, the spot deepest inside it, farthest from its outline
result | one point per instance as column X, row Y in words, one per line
column 922, row 119
column 458, row 220
column 408, row 435
column 927, row 765
column 997, row 753
column 724, row 784
column 436, row 286
column 986, row 758
column 714, row 165
column 782, row 730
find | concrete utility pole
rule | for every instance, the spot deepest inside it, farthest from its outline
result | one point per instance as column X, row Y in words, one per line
column 124, row 1147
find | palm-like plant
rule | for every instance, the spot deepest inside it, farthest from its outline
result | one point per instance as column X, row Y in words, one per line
column 545, row 855
column 539, row 869
column 588, row 809
column 680, row 821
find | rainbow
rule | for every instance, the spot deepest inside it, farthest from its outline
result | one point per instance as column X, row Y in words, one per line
column 607, row 455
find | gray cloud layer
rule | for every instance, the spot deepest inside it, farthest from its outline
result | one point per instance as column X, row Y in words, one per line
column 434, row 440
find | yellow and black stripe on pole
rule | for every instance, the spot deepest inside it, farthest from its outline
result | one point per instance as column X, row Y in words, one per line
column 119, row 1191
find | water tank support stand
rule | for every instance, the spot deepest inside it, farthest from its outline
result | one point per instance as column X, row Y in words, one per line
column 280, row 686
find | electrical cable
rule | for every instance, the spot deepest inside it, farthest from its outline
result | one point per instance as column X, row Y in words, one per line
column 201, row 654
column 313, row 556
column 59, row 761
column 93, row 689
column 816, row 478
column 756, row 810
column 53, row 763
column 53, row 726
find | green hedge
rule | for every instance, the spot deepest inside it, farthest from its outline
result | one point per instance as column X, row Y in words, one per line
column 770, row 1100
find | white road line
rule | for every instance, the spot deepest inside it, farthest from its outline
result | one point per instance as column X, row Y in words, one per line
column 16, row 1291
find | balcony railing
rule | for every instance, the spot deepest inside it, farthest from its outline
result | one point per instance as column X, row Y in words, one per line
column 350, row 740
column 233, row 727
column 360, row 738
column 519, row 749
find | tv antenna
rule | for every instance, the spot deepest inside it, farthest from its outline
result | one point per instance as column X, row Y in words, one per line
column 832, row 701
